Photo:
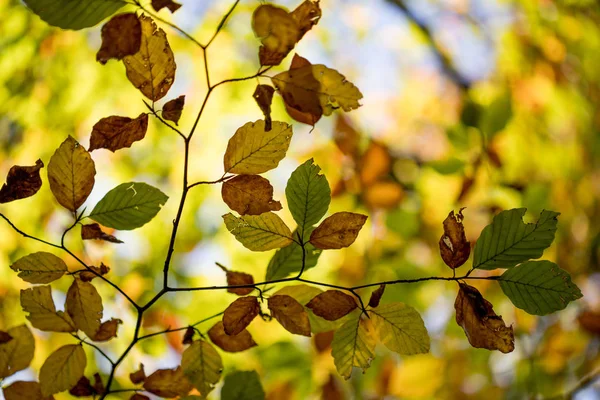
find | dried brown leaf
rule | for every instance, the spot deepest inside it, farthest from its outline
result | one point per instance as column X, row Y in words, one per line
column 114, row 132
column 290, row 314
column 376, row 296
column 172, row 109
column 121, row 36
column 21, row 182
column 170, row 4
column 263, row 94
column 278, row 32
column 168, row 383
column 590, row 321
column 138, row 376
column 306, row 15
column 235, row 278
column 87, row 276
column 332, row 304
column 83, row 388
column 188, row 336
column 454, row 247
column 230, row 343
column 138, row 396
column 94, row 232
column 338, row 230
column 239, row 314
column 5, row 337
column 249, row 195
column 108, row 330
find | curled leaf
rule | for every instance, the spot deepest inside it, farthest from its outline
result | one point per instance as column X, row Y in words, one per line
column 332, row 304
column 21, row 182
column 170, row 4
column 108, row 330
column 87, row 276
column 376, row 296
column 290, row 314
column 338, row 230
column 263, row 94
column 454, row 247
column 239, row 314
column 93, row 231
column 138, row 376
column 249, row 195
column 230, row 343
column 172, row 109
column 121, row 36
column 114, row 132
column 236, row 278
column 83, row 388
column 188, row 337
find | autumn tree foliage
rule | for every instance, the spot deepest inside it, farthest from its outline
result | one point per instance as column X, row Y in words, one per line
column 350, row 320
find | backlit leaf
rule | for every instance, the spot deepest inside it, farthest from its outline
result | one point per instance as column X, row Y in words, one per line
column 84, row 388
column 168, row 383
column 338, row 230
column 454, row 247
column 254, row 150
column 107, row 330
column 332, row 304
column 308, row 195
column 63, row 369
column 84, row 305
column 71, row 173
column 172, row 109
column 121, row 36
column 114, row 132
column 40, row 267
column 94, row 232
column 37, row 301
column 539, row 287
column 353, row 345
column 508, row 241
column 129, row 206
column 16, row 354
column 236, row 278
column 21, row 182
column 400, row 328
column 230, row 343
column 288, row 260
column 138, row 376
column 76, row 15
column 483, row 327
column 170, row 4
column 263, row 94
column 22, row 390
column 87, row 276
column 202, row 365
column 290, row 314
column 249, row 195
column 242, row 385
column 152, row 69
column 259, row 232
column 239, row 314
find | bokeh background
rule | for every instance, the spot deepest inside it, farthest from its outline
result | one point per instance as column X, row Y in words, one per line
column 483, row 104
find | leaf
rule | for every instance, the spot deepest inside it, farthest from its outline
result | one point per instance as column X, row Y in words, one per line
column 77, row 15
column 114, row 132
column 21, row 182
column 263, row 94
column 375, row 163
column 308, row 195
column 172, row 109
column 332, row 390
column 242, row 385
column 188, row 336
column 236, row 278
column 168, row 383
column 332, row 304
column 129, row 206
column 346, row 137
column 94, row 232
column 454, row 247
column 152, row 69
column 376, row 296
column 290, row 314
column 40, row 267
column 353, row 345
column 138, row 396
column 71, row 173
column 507, row 241
column 83, row 388
column 138, row 376
column 87, row 276
column 338, row 230
column 107, row 331
column 539, row 287
column 202, row 365
column 400, row 328
column 288, row 260
column 249, row 195
column 16, row 354
column 484, row 329
column 37, row 301
column 84, row 305
column 170, row 4
column 259, row 232
column 121, row 36
column 239, row 314
column 22, row 390
column 63, row 369
column 230, row 343
column 307, row 15
column 254, row 150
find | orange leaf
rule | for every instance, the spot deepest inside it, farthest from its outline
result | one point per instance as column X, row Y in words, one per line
column 107, row 330
column 170, row 4
column 249, row 195
column 168, row 383
column 337, row 231
column 231, row 343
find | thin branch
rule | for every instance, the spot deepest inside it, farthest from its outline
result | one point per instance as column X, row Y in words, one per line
column 27, row 235
column 222, row 23
column 95, row 347
column 220, row 180
column 153, row 112
column 180, row 328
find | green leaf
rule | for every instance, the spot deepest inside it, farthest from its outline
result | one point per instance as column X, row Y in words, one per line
column 259, row 232
column 497, row 115
column 308, row 195
column 40, row 267
column 508, row 241
column 74, row 14
column 400, row 328
column 242, row 385
column 202, row 365
column 288, row 260
column 129, row 206
column 539, row 287
column 353, row 345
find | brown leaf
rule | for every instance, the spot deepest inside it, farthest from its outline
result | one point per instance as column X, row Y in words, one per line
column 138, row 396
column 152, row 69
column 21, row 182
column 114, row 132
column 108, row 330
column 87, row 276
column 172, row 109
column 590, row 321
column 249, row 195
column 83, row 388
column 22, row 390
column 121, row 36
column 5, row 337
column 306, row 15
column 263, row 94
column 235, row 278
column 138, row 376
column 483, row 327
column 170, row 4
column 188, row 336
column 98, row 384
column 454, row 247
column 375, row 163
column 278, row 32
column 168, row 383
column 323, row 341
column 376, row 296
column 290, row 314
column 332, row 390
column 338, row 230
column 93, row 231
column 84, row 305
column 239, row 314
column 231, row 343
column 332, row 304
column 346, row 137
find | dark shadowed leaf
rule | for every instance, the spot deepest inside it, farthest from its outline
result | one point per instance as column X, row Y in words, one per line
column 259, row 232
column 230, row 343
column 22, row 390
column 202, row 365
column 40, row 267
column 188, row 336
column 170, row 4
column 263, row 94
column 454, row 247
column 172, row 109
column 114, row 132
column 83, row 388
column 63, row 369
column 239, row 314
column 290, row 314
column 168, row 383
column 37, row 301
column 332, row 304
column 121, row 36
column 84, row 305
column 107, row 331
column 87, row 276
column 17, row 352
column 5, row 337
column 338, row 230
column 94, row 232
column 236, row 278
column 376, row 296
column 242, row 385
column 483, row 327
column 249, row 195
column 21, row 182
column 138, row 376
column 73, row 15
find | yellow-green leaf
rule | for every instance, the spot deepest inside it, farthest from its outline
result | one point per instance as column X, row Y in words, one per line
column 16, row 354
column 353, row 345
column 202, row 365
column 84, row 305
column 37, row 301
column 40, row 267
column 259, row 232
column 63, row 369
column 400, row 328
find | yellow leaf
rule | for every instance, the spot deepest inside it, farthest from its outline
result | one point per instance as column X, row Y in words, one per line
column 16, row 353
column 22, row 390
column 259, row 232
column 63, row 369
column 254, row 150
column 338, row 230
column 353, row 345
column 40, row 267
column 84, row 305
column 400, row 328
column 249, row 195
column 71, row 173
column 168, row 383
column 37, row 301
column 152, row 69
column 202, row 365
column 290, row 314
